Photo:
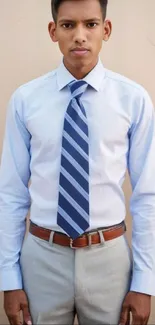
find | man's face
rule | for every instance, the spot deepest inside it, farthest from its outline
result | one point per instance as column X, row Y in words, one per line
column 80, row 30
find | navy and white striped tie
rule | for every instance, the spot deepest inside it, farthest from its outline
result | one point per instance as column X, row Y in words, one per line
column 73, row 203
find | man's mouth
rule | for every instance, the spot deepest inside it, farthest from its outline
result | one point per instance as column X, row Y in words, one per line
column 80, row 51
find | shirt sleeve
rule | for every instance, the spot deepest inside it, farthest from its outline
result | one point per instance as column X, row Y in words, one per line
column 14, row 193
column 141, row 166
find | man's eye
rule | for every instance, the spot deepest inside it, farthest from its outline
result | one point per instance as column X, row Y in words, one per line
column 92, row 25
column 67, row 26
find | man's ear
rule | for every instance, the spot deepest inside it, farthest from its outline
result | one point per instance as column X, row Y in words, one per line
column 107, row 30
column 52, row 31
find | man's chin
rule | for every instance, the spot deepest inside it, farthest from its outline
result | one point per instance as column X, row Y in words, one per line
column 81, row 62
column 80, row 66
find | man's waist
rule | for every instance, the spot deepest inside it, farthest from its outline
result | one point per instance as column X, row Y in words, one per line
column 94, row 236
column 48, row 219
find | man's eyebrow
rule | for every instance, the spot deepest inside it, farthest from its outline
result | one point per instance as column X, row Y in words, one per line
column 67, row 20
column 93, row 19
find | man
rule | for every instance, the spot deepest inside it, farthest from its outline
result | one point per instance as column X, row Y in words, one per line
column 72, row 133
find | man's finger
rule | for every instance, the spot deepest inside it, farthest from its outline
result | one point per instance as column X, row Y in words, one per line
column 15, row 320
column 125, row 315
column 26, row 314
column 138, row 320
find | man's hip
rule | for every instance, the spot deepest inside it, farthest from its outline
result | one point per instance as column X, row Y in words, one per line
column 92, row 280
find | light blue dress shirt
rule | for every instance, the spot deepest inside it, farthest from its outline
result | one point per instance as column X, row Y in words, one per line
column 122, row 135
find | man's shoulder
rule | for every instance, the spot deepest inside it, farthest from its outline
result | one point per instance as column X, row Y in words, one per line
column 37, row 85
column 130, row 90
column 124, row 82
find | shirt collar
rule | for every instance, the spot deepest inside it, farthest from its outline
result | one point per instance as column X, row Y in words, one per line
column 94, row 78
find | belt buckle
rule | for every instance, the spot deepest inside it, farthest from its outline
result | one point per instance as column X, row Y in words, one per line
column 71, row 244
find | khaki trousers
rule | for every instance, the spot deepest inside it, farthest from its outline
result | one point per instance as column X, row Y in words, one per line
column 60, row 281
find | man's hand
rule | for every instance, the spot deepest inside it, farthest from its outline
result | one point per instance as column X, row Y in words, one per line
column 15, row 303
column 139, row 305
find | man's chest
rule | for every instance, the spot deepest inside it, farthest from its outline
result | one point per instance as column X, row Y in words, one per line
column 108, row 124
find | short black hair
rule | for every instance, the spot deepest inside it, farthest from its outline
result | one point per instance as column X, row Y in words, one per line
column 55, row 4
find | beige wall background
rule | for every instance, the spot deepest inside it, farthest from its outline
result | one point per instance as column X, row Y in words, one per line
column 26, row 52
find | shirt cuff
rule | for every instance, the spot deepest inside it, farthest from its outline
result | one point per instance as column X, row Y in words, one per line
column 143, row 282
column 10, row 278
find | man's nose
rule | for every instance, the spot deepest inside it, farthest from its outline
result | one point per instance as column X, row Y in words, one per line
column 80, row 35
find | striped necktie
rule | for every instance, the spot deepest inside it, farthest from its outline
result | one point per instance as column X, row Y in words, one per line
column 73, row 201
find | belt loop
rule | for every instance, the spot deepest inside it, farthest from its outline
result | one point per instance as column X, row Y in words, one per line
column 51, row 237
column 89, row 240
column 102, row 240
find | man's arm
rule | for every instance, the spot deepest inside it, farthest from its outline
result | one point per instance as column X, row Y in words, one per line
column 14, row 193
column 142, row 204
column 141, row 166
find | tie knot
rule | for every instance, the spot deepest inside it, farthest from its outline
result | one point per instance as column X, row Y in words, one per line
column 77, row 88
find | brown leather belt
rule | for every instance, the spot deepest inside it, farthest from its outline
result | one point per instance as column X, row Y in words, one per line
column 86, row 239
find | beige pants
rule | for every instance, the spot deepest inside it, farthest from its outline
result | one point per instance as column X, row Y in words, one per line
column 60, row 281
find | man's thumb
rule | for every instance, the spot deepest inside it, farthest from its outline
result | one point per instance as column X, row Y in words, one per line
column 125, row 315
